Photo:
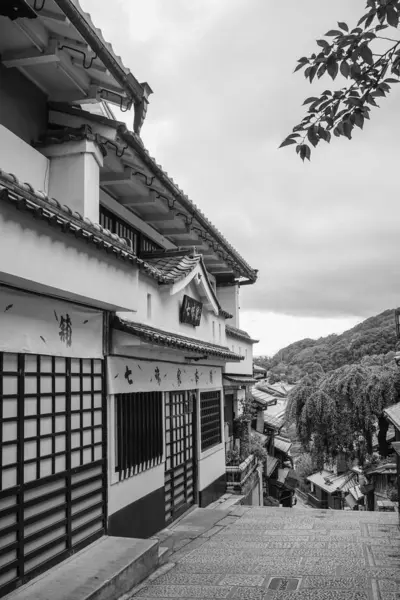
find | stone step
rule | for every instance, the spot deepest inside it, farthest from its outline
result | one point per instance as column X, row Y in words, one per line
column 105, row 570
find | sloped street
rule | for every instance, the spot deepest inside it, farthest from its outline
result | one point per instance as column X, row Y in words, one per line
column 282, row 554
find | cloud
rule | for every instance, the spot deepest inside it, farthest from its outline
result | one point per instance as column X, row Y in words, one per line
column 324, row 235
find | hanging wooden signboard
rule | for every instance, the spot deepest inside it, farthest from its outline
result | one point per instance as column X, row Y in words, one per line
column 191, row 311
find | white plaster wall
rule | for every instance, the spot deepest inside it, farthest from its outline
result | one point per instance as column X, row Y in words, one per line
column 126, row 492
column 75, row 176
column 40, row 258
column 244, row 367
column 211, row 465
column 229, row 299
column 26, row 163
column 165, row 310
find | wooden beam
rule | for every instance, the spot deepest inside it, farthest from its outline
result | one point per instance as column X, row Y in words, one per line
column 30, row 57
column 137, row 200
column 34, row 31
column 175, row 231
column 116, row 178
column 159, row 218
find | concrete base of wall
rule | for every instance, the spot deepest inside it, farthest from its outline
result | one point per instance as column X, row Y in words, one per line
column 104, row 570
column 212, row 492
column 141, row 519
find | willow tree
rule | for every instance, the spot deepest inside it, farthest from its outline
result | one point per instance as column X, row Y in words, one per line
column 368, row 57
column 338, row 413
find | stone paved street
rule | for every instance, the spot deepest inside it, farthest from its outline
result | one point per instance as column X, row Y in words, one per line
column 282, row 554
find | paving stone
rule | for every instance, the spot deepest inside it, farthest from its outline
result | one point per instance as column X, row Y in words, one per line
column 321, row 595
column 212, row 531
column 389, row 585
column 343, row 583
column 239, row 579
column 249, row 593
column 183, row 591
column 175, row 577
column 334, row 556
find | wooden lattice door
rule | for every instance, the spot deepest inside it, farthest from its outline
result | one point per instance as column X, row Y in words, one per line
column 180, row 444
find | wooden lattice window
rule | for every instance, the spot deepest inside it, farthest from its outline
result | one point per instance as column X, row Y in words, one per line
column 139, row 432
column 140, row 242
column 210, row 419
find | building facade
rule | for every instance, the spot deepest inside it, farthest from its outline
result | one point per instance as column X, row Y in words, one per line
column 115, row 291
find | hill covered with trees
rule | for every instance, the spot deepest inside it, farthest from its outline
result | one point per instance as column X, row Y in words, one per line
column 371, row 342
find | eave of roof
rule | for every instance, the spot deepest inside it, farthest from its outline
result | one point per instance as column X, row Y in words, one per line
column 173, row 340
column 83, row 23
column 273, row 422
column 234, row 332
column 271, row 465
column 393, row 414
column 240, row 379
column 23, row 197
column 134, row 141
column 396, row 447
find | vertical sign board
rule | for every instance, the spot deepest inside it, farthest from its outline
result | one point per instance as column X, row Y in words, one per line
column 191, row 311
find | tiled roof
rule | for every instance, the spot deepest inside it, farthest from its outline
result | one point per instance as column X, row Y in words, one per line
column 134, row 141
column 239, row 334
column 396, row 447
column 282, row 444
column 271, row 465
column 393, row 414
column 268, row 389
column 384, row 468
column 223, row 313
column 24, row 197
column 330, row 483
column 82, row 21
column 262, row 398
column 259, row 369
column 240, row 379
column 173, row 340
column 356, row 492
column 273, row 422
column 174, row 268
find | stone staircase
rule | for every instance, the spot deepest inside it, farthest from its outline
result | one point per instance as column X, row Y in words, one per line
column 105, row 570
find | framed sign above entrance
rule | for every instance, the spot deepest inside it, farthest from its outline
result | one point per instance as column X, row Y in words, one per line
column 191, row 311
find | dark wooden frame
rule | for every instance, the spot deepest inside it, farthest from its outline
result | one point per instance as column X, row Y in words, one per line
column 191, row 303
column 139, row 432
column 115, row 224
column 210, row 419
column 71, row 478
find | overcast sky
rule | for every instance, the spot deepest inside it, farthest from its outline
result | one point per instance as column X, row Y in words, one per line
column 324, row 235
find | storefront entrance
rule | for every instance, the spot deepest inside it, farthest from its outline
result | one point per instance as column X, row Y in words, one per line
column 180, row 444
column 52, row 462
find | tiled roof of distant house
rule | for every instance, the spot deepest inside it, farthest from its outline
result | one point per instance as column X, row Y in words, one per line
column 393, row 414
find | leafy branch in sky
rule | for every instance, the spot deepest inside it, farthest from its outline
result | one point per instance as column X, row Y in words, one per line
column 365, row 56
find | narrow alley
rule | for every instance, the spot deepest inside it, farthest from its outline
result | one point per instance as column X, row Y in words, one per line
column 260, row 553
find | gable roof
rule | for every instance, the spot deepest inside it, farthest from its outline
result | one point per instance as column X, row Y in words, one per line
column 173, row 340
column 239, row 334
column 393, row 414
column 330, row 483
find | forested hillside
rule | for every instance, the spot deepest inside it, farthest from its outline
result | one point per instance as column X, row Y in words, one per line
column 372, row 341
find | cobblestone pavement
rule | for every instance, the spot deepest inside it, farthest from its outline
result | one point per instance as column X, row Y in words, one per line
column 281, row 554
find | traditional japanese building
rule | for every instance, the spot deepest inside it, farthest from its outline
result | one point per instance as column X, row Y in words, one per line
column 114, row 294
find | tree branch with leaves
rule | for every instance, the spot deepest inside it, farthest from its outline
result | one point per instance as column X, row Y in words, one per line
column 370, row 74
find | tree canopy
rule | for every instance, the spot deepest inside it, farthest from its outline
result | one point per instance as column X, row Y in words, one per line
column 338, row 413
column 368, row 57
column 373, row 341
